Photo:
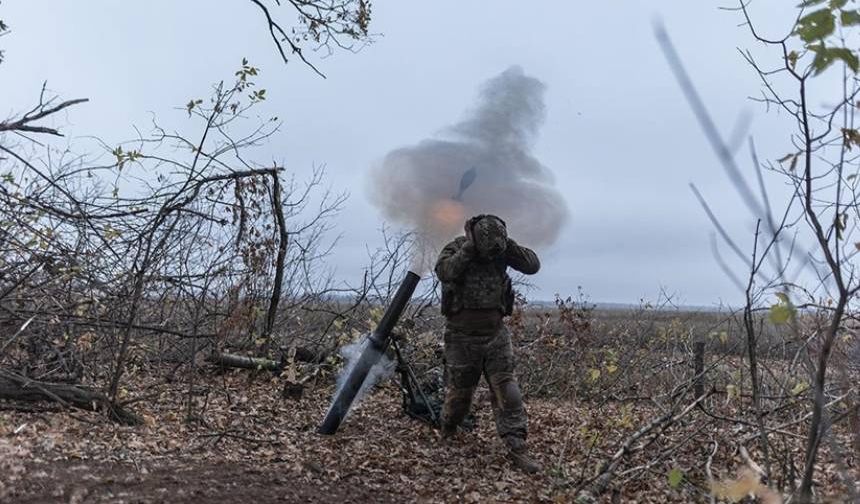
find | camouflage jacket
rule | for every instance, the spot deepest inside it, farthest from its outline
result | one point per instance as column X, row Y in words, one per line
column 472, row 283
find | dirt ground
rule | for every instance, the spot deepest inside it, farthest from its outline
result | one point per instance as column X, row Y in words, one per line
column 176, row 481
column 247, row 444
column 253, row 447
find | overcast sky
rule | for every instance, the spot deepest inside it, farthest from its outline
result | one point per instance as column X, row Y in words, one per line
column 619, row 137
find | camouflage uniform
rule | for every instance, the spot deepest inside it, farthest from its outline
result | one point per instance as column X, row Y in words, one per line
column 476, row 295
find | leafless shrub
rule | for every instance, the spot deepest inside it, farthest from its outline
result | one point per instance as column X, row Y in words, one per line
column 174, row 246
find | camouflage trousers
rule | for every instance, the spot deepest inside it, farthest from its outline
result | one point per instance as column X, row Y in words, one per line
column 467, row 357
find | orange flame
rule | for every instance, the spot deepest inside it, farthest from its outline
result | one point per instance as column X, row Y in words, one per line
column 447, row 217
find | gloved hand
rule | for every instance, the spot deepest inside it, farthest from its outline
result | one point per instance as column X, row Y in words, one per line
column 468, row 228
column 469, row 247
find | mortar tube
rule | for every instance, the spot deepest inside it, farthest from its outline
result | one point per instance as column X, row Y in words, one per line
column 377, row 344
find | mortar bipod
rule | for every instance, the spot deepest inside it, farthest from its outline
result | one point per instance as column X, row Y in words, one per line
column 418, row 407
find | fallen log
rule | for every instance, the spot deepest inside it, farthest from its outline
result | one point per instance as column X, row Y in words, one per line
column 293, row 387
column 244, row 362
column 16, row 387
column 299, row 354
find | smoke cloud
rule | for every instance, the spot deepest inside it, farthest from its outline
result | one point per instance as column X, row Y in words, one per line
column 351, row 354
column 419, row 186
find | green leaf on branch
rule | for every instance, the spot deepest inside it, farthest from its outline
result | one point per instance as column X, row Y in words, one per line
column 780, row 314
column 826, row 56
column 800, row 388
column 259, row 95
column 783, row 311
column 675, row 477
column 847, row 56
column 111, row 233
column 816, row 26
column 849, row 17
column 792, row 59
column 837, row 4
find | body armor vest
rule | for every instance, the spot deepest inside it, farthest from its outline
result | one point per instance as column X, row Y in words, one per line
column 483, row 286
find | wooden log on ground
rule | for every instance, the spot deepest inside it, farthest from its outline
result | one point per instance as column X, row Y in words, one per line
column 16, row 387
column 301, row 354
column 244, row 362
column 293, row 387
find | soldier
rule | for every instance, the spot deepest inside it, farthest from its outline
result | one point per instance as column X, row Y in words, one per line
column 476, row 295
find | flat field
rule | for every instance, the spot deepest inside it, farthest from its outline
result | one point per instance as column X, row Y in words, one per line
column 593, row 381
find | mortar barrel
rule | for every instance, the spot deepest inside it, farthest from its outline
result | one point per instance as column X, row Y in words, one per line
column 377, row 344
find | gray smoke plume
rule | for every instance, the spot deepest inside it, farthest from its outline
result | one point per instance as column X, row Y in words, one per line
column 420, row 186
column 351, row 354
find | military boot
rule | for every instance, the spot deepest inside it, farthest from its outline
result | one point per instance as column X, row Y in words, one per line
column 519, row 456
column 522, row 461
column 447, row 433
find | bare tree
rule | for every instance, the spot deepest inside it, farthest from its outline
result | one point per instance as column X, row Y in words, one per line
column 818, row 223
column 326, row 24
column 176, row 237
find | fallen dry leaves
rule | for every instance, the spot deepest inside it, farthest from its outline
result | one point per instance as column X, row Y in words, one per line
column 250, row 445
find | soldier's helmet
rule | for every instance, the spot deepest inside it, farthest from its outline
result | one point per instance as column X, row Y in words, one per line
column 489, row 234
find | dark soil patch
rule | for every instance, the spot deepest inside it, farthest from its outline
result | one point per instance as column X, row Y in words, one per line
column 181, row 482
